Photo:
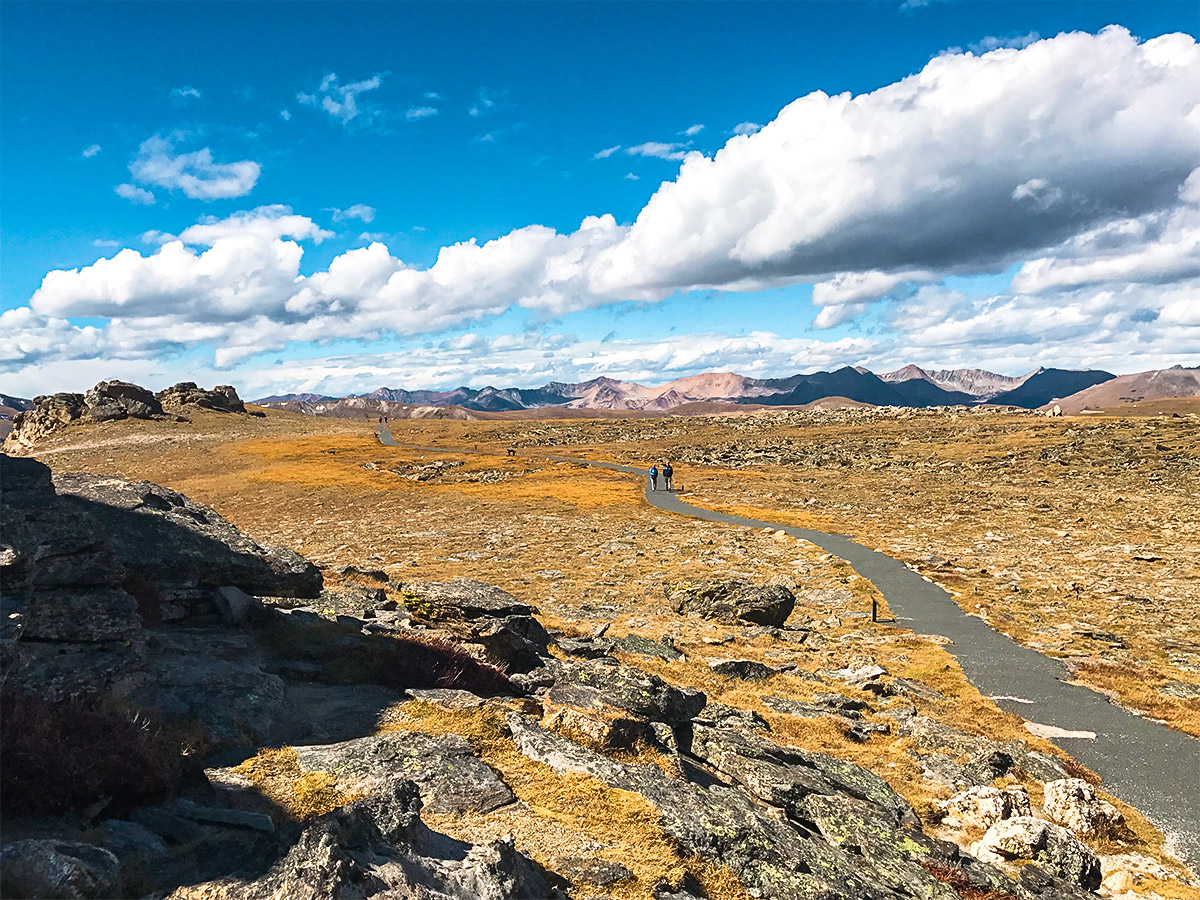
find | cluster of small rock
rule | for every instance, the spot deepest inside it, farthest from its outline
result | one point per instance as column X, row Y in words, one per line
column 112, row 400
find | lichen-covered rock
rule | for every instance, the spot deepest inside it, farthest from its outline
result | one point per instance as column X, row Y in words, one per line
column 482, row 614
column 746, row 669
column 776, row 857
column 644, row 646
column 644, row 695
column 734, row 601
column 982, row 807
column 582, row 713
column 58, row 869
column 1050, row 846
column 93, row 561
column 591, row 870
column 719, row 715
column 1072, row 802
column 450, row 777
column 783, row 776
column 172, row 540
column 990, row 758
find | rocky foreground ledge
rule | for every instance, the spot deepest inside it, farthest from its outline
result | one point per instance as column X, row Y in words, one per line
column 188, row 713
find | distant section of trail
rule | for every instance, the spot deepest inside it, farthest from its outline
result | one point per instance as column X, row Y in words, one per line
column 1149, row 766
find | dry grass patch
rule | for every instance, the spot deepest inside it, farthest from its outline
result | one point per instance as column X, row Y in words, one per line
column 302, row 795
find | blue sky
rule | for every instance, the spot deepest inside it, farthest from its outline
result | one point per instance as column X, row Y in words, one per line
column 856, row 231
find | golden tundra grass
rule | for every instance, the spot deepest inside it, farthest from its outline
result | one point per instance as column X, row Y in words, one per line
column 583, row 546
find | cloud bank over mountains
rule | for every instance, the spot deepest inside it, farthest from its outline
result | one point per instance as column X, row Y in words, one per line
column 1076, row 158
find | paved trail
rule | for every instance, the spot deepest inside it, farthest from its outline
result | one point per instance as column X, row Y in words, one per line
column 1147, row 765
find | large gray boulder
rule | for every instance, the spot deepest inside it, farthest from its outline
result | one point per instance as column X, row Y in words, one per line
column 642, row 694
column 90, row 562
column 119, row 400
column 736, row 601
column 500, row 625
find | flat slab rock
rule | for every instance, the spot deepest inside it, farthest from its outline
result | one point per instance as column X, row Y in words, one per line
column 469, row 598
column 447, row 772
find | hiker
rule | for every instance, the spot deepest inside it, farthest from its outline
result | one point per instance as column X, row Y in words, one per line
column 654, row 478
column 667, row 473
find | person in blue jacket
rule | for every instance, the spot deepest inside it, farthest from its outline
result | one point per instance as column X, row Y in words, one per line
column 654, row 478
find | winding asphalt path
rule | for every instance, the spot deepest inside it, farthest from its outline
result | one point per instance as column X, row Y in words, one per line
column 1149, row 766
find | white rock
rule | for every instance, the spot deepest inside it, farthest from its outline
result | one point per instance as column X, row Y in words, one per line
column 982, row 807
column 1073, row 803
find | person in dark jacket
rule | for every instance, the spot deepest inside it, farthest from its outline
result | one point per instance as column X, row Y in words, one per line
column 668, row 472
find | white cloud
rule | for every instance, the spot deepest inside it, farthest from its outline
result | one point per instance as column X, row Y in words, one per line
column 629, row 176
column 187, row 92
column 432, row 95
column 195, row 173
column 921, row 174
column 285, row 114
column 420, row 112
column 106, row 244
column 692, row 130
column 1127, row 328
column 267, row 223
column 341, row 101
column 746, row 128
column 134, row 194
column 659, row 150
column 606, row 152
column 847, row 294
column 1158, row 247
column 90, row 151
column 359, row 211
column 485, row 102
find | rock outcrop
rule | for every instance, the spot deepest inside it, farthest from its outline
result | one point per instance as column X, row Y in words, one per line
column 109, row 401
column 222, row 398
column 110, row 585
column 61, row 869
column 483, row 615
column 379, row 847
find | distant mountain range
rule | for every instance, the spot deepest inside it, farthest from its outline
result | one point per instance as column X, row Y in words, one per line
column 1073, row 390
column 910, row 386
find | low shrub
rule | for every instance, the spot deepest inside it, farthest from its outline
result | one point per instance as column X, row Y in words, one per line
column 71, row 754
column 347, row 657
